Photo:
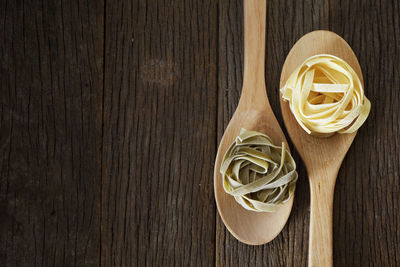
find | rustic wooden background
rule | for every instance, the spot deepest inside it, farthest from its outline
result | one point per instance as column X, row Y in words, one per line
column 110, row 117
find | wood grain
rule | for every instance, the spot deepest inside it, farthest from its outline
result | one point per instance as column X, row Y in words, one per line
column 367, row 190
column 125, row 177
column 322, row 157
column 367, row 203
column 159, row 141
column 252, row 113
column 51, row 65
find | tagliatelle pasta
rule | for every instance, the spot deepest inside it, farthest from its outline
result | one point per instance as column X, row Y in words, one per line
column 260, row 175
column 326, row 96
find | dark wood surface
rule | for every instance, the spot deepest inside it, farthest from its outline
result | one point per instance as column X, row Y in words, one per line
column 51, row 83
column 110, row 117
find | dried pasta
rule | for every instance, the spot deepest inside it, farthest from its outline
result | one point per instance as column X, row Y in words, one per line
column 326, row 96
column 260, row 175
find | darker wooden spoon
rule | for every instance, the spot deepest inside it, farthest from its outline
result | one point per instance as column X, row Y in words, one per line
column 253, row 113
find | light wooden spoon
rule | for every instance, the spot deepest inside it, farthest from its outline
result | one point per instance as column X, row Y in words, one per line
column 253, row 113
column 322, row 156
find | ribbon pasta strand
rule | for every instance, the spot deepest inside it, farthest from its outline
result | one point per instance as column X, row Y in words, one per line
column 260, row 175
column 326, row 96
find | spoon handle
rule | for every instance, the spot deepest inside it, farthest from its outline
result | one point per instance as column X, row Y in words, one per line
column 320, row 244
column 253, row 92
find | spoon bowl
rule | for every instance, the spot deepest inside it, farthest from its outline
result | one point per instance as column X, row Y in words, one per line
column 321, row 156
column 253, row 113
column 253, row 228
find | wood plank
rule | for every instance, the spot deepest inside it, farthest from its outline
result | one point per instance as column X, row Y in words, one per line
column 366, row 208
column 51, row 71
column 367, row 202
column 285, row 24
column 159, row 139
column 164, row 63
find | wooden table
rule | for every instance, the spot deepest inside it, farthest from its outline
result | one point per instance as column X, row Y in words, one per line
column 110, row 117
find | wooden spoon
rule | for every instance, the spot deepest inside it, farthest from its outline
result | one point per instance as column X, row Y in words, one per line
column 253, row 113
column 322, row 156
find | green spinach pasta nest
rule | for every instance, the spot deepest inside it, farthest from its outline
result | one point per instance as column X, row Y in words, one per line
column 258, row 174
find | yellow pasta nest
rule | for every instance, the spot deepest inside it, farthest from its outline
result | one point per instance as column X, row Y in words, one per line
column 260, row 175
column 326, row 96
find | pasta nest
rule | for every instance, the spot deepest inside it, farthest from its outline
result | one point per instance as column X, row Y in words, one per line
column 260, row 175
column 326, row 96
